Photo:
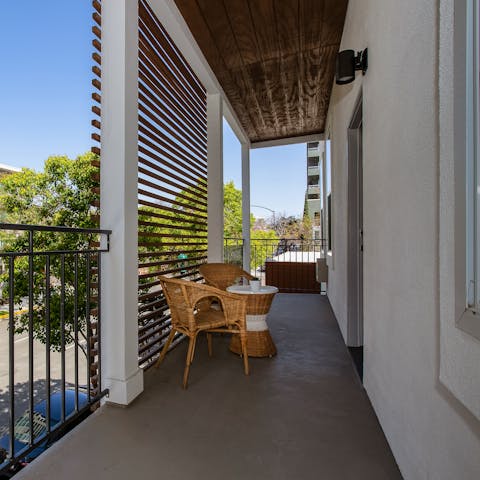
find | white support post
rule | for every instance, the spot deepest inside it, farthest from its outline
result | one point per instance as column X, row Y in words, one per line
column 118, row 191
column 246, row 206
column 215, row 177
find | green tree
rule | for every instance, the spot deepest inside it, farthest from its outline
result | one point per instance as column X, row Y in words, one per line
column 263, row 242
column 232, row 211
column 60, row 195
column 262, row 245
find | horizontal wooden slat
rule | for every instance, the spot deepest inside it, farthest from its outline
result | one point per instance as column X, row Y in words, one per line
column 96, row 44
column 97, row 18
column 163, row 71
column 146, row 296
column 170, row 226
column 170, row 262
column 179, row 220
column 167, row 253
column 97, row 6
column 188, row 147
column 159, row 78
column 173, row 52
column 158, row 304
column 167, row 173
column 179, row 131
column 150, row 135
column 164, row 95
column 96, row 71
column 178, row 195
column 176, row 235
column 186, row 268
column 171, row 201
column 96, row 58
column 196, row 218
column 168, row 160
column 153, row 48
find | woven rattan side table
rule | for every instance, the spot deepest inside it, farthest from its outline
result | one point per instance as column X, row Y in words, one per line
column 259, row 340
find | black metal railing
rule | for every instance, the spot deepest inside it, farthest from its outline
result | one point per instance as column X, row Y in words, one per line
column 233, row 250
column 50, row 291
column 280, row 261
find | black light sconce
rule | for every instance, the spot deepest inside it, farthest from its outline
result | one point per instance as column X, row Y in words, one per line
column 348, row 63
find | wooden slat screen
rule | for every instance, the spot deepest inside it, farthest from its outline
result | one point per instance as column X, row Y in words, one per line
column 96, row 83
column 172, row 177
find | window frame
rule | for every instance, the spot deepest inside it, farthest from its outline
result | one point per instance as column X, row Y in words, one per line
column 459, row 326
column 328, row 197
column 467, row 165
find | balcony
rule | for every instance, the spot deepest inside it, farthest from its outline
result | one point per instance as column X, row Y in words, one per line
column 301, row 414
column 313, row 171
column 269, row 70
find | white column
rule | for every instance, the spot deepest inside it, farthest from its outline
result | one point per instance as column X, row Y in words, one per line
column 246, row 206
column 118, row 189
column 215, row 177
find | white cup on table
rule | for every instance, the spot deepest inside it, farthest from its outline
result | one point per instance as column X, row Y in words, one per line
column 255, row 285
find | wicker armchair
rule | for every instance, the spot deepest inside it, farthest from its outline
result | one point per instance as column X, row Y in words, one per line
column 189, row 304
column 222, row 275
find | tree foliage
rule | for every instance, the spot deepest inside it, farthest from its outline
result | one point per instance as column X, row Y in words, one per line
column 262, row 241
column 262, row 244
column 60, row 195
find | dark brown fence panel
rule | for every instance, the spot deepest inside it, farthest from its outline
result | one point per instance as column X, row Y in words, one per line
column 172, row 177
column 292, row 277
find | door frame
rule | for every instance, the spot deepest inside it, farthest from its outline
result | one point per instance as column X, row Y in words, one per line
column 355, row 227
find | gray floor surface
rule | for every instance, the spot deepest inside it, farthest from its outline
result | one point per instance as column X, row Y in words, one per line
column 300, row 415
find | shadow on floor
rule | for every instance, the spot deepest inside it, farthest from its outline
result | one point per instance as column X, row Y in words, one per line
column 302, row 414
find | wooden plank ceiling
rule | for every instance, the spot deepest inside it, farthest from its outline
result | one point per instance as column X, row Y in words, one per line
column 275, row 59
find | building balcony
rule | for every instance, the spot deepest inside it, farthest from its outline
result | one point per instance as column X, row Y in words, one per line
column 300, row 414
column 313, row 171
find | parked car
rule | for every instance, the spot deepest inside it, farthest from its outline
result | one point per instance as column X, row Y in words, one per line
column 22, row 428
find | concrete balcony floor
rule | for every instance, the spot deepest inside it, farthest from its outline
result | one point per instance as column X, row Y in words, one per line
column 300, row 415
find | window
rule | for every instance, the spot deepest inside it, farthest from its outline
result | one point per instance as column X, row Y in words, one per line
column 459, row 205
column 328, row 192
column 472, row 173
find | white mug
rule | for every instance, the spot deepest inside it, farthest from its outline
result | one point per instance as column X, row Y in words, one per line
column 255, row 285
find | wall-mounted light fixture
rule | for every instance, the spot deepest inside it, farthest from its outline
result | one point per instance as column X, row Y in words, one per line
column 348, row 63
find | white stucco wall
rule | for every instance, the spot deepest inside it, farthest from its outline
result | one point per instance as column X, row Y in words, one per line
column 432, row 435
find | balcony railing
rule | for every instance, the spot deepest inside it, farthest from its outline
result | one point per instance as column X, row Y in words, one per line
column 288, row 263
column 52, row 359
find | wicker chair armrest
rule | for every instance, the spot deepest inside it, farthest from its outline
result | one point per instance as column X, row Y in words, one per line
column 234, row 305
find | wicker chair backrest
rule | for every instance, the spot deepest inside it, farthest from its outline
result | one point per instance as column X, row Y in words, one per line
column 222, row 275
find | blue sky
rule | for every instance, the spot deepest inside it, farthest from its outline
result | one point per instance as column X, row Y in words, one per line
column 45, row 88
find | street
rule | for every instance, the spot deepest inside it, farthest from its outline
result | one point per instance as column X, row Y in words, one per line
column 21, row 371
